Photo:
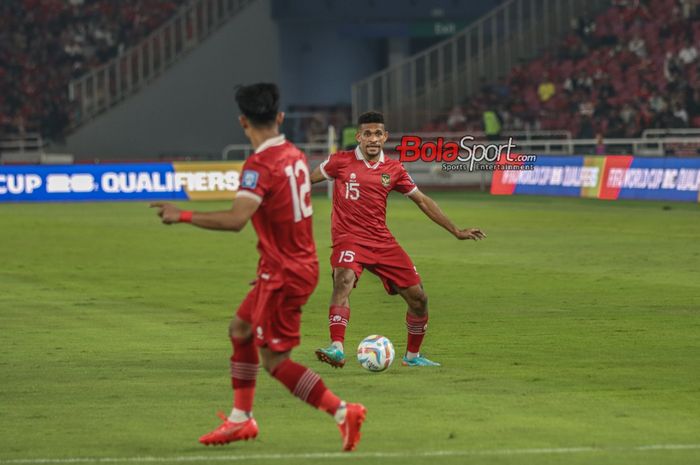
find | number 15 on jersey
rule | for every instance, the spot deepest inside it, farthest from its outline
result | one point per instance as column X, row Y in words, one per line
column 352, row 190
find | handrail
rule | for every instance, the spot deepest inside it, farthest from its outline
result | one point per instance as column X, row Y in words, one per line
column 457, row 135
column 29, row 142
column 425, row 52
column 450, row 70
column 649, row 133
column 105, row 86
column 247, row 149
column 566, row 146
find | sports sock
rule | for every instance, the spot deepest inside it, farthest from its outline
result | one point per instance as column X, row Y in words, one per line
column 244, row 371
column 339, row 415
column 338, row 317
column 411, row 355
column 416, row 326
column 307, row 386
column 238, row 416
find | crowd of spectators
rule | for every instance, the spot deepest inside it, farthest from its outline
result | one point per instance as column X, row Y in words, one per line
column 634, row 66
column 46, row 43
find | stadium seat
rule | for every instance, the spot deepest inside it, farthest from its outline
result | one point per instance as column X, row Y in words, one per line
column 658, row 24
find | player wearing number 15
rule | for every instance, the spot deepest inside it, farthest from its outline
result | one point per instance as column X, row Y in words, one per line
column 362, row 181
column 275, row 195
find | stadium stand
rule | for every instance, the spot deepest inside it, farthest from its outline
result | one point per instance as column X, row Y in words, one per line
column 58, row 40
column 634, row 66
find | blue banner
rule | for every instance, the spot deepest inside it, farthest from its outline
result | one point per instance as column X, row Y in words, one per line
column 552, row 176
column 608, row 177
column 143, row 181
column 659, row 179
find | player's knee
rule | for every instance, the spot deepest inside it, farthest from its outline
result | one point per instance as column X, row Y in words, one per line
column 343, row 282
column 239, row 329
column 418, row 303
column 423, row 301
column 270, row 359
column 269, row 365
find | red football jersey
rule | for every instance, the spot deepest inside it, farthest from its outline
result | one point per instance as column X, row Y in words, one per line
column 359, row 195
column 277, row 175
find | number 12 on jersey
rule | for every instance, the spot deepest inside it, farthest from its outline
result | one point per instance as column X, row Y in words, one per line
column 299, row 192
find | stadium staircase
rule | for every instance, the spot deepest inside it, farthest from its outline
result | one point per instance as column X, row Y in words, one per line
column 123, row 76
column 413, row 91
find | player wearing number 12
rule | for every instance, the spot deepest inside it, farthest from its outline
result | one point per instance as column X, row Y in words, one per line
column 275, row 195
column 362, row 181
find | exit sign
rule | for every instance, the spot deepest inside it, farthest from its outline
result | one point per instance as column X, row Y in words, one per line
column 436, row 28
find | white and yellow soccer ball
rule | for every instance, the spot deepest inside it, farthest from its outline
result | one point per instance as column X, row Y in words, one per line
column 375, row 353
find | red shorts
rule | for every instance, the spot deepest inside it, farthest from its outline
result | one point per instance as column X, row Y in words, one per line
column 274, row 316
column 391, row 263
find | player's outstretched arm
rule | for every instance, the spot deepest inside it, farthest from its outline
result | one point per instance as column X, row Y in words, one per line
column 317, row 176
column 234, row 219
column 433, row 211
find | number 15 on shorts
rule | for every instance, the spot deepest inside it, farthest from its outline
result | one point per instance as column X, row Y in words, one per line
column 346, row 256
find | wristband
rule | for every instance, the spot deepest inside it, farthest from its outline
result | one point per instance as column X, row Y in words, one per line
column 185, row 216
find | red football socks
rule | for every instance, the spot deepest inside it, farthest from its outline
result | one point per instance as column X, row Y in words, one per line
column 416, row 326
column 338, row 317
column 306, row 385
column 244, row 371
column 329, row 402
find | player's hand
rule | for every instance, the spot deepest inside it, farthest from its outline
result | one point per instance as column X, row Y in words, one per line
column 168, row 212
column 470, row 234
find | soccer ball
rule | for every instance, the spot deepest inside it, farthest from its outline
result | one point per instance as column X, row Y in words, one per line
column 375, row 353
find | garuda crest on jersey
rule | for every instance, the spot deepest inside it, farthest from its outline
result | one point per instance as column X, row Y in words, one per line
column 386, row 180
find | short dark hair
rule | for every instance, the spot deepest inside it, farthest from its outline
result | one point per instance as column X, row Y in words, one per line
column 370, row 117
column 259, row 102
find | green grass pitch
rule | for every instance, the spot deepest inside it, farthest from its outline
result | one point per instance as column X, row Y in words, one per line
column 571, row 335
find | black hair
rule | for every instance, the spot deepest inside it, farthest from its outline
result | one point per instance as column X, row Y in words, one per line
column 259, row 102
column 370, row 117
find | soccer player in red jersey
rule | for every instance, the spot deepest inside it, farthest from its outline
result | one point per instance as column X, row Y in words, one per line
column 362, row 181
column 275, row 195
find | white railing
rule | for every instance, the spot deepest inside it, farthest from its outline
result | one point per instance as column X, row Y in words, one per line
column 479, row 135
column 124, row 75
column 323, row 149
column 30, row 142
column 414, row 91
column 652, row 147
column 538, row 135
column 678, row 132
column 430, row 174
column 639, row 147
column 243, row 151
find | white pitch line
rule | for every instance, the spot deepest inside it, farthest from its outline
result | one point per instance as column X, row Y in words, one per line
column 345, row 455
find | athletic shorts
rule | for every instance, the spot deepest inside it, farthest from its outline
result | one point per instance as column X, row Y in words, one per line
column 274, row 315
column 391, row 263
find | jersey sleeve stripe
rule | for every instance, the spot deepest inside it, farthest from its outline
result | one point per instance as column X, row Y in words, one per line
column 411, row 192
column 323, row 171
column 249, row 195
